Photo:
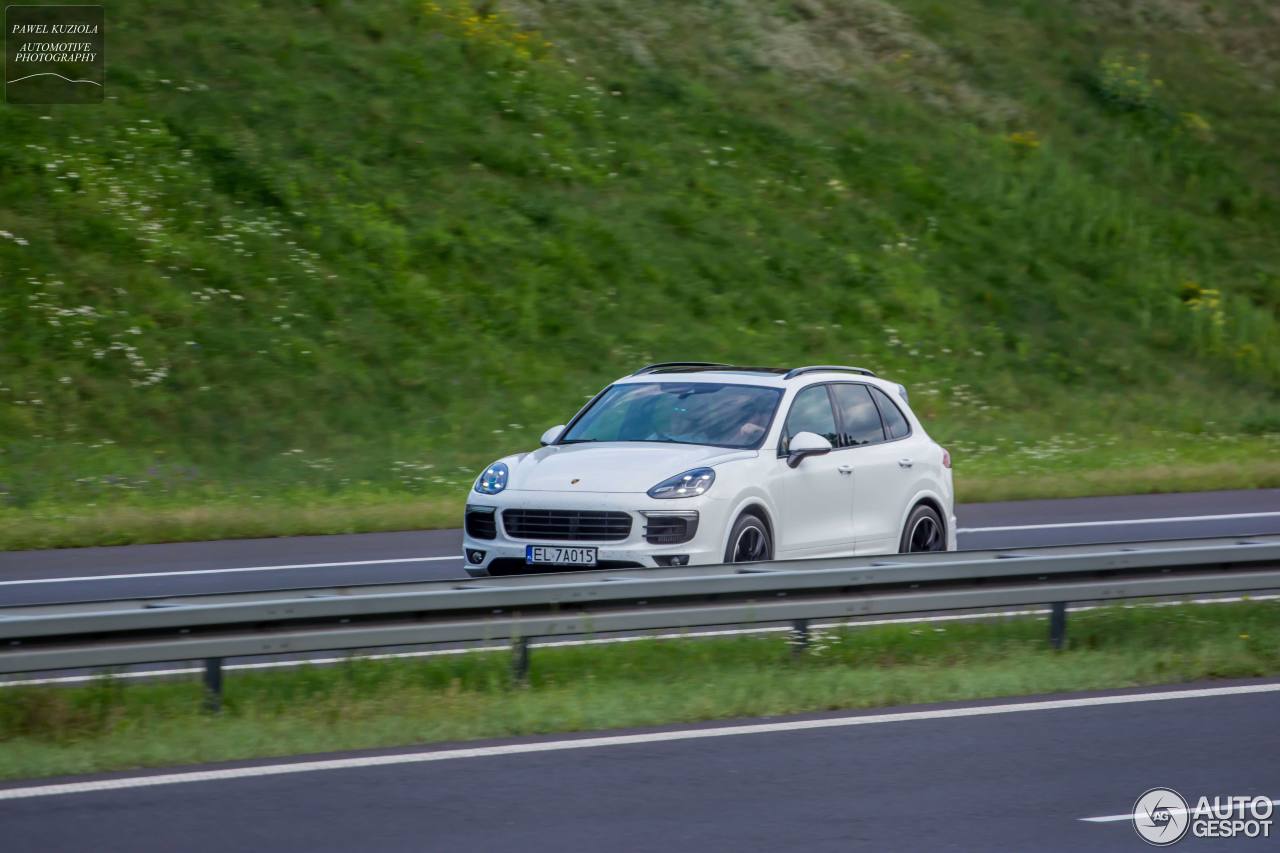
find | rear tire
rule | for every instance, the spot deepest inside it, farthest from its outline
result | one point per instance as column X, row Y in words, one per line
column 749, row 541
column 923, row 532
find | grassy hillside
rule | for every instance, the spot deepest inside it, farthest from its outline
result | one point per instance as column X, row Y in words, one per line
column 314, row 262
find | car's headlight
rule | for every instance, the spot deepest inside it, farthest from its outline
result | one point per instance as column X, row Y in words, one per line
column 493, row 479
column 690, row 484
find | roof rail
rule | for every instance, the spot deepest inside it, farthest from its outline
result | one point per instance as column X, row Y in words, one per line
column 662, row 365
column 826, row 368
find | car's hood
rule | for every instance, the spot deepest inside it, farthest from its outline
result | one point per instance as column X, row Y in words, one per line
column 613, row 466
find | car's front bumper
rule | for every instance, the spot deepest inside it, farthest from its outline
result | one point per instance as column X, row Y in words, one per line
column 705, row 547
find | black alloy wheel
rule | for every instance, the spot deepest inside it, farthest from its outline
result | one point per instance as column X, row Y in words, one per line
column 749, row 541
column 923, row 532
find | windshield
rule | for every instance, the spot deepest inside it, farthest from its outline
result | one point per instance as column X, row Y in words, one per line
column 681, row 412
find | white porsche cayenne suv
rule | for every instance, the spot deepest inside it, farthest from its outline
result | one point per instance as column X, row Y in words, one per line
column 688, row 463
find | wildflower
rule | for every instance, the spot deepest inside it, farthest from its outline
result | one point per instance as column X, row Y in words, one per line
column 1023, row 141
column 1196, row 123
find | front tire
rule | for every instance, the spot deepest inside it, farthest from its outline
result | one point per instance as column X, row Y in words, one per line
column 749, row 541
column 923, row 532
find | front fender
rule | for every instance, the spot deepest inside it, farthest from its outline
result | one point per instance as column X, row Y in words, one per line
column 750, row 497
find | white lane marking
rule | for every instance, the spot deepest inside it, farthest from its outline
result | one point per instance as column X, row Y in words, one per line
column 228, row 571
column 687, row 635
column 618, row 740
column 1112, row 818
column 1168, row 519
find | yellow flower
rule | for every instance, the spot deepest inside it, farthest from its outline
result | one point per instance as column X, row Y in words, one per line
column 1197, row 123
column 1024, row 140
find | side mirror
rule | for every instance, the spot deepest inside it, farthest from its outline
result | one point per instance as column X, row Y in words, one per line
column 806, row 444
column 551, row 435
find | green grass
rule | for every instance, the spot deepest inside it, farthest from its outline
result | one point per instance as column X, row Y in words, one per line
column 331, row 258
column 113, row 725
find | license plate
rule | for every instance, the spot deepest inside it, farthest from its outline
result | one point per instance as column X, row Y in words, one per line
column 557, row 556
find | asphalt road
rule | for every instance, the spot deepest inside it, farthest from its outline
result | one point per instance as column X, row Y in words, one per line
column 973, row 776
column 949, row 777
column 243, row 565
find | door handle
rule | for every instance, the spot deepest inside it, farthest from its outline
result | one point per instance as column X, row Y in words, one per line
column 845, row 469
column 905, row 463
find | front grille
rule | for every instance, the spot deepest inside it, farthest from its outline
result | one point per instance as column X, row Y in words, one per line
column 670, row 529
column 566, row 525
column 481, row 525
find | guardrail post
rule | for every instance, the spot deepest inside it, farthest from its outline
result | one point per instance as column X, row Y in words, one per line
column 213, row 685
column 1058, row 625
column 520, row 660
column 799, row 637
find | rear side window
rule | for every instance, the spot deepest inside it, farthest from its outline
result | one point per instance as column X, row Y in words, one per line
column 859, row 420
column 895, row 423
column 810, row 412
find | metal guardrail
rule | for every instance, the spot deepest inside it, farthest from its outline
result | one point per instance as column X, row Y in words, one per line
column 519, row 608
